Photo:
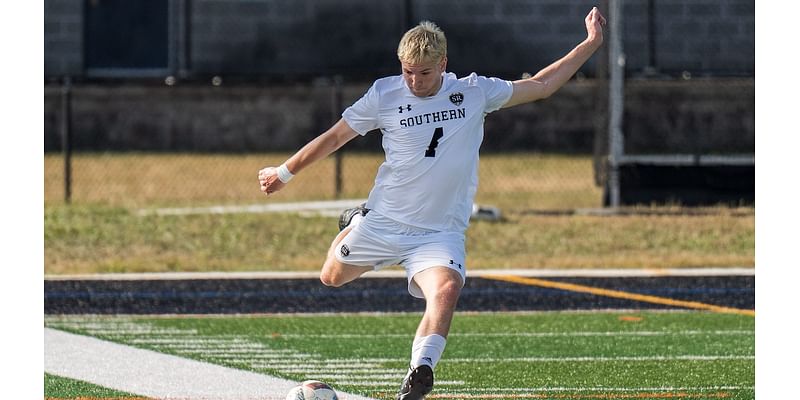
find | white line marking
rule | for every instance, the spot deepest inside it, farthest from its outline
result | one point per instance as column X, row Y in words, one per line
column 527, row 334
column 156, row 375
column 613, row 389
column 689, row 357
column 376, row 383
column 291, row 366
column 398, row 273
column 311, row 207
column 605, row 359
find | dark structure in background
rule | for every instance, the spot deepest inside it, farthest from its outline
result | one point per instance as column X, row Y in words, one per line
column 124, row 38
column 258, row 75
column 280, row 40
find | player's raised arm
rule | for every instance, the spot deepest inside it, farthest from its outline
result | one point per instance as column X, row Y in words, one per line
column 553, row 77
column 273, row 179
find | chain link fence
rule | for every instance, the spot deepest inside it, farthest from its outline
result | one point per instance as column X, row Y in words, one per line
column 518, row 181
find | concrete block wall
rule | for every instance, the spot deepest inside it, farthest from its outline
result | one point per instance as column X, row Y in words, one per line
column 63, row 37
column 322, row 37
column 703, row 35
column 698, row 117
column 358, row 38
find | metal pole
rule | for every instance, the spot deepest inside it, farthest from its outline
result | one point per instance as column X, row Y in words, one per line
column 336, row 109
column 600, row 143
column 616, row 100
column 66, row 136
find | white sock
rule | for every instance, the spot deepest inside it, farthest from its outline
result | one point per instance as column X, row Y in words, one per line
column 427, row 350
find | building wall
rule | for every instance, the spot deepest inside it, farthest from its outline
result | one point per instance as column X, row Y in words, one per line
column 698, row 116
column 357, row 38
column 274, row 57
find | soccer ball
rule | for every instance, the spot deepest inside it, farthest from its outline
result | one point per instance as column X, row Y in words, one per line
column 312, row 390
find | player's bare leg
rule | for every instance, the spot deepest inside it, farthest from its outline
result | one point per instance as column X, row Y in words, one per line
column 441, row 287
column 335, row 273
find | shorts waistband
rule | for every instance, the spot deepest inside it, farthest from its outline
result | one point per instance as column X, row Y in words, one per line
column 398, row 227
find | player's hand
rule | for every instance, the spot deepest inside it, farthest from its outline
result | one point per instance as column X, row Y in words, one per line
column 594, row 26
column 268, row 179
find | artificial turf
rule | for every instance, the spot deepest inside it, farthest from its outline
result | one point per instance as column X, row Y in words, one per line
column 642, row 354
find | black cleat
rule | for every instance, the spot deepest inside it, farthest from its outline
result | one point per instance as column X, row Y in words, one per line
column 348, row 214
column 417, row 383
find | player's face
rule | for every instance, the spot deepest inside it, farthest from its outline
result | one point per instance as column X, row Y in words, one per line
column 424, row 79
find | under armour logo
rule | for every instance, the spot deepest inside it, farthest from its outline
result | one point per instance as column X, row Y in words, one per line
column 407, row 107
column 345, row 250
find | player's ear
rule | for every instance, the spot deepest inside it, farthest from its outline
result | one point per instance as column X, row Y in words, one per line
column 443, row 64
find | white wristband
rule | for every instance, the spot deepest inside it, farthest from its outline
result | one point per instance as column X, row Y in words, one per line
column 284, row 175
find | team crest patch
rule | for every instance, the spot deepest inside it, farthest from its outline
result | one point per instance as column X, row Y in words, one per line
column 457, row 98
column 345, row 250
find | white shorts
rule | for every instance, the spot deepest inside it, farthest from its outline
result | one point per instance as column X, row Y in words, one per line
column 381, row 242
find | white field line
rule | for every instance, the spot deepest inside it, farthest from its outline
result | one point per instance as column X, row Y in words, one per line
column 236, row 352
column 606, row 359
column 529, row 334
column 314, row 365
column 191, row 341
column 332, row 208
column 612, row 389
column 688, row 357
column 396, row 374
column 398, row 273
column 602, row 392
column 156, row 375
column 260, row 357
column 393, row 383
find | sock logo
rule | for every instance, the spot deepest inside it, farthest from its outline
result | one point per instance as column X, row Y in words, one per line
column 345, row 251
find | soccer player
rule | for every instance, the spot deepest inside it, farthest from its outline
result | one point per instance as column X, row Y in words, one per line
column 419, row 207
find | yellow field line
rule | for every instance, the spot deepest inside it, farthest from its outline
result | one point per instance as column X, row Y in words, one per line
column 619, row 294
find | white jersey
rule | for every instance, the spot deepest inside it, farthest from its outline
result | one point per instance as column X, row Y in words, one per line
column 430, row 174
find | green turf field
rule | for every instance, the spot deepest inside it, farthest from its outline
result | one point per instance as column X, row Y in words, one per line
column 57, row 387
column 576, row 355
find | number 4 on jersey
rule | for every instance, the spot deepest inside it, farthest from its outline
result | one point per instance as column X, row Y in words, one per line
column 437, row 134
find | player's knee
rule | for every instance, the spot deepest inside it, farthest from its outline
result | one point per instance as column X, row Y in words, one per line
column 331, row 279
column 449, row 290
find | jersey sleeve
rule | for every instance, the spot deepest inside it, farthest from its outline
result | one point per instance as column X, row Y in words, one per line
column 497, row 91
column 362, row 116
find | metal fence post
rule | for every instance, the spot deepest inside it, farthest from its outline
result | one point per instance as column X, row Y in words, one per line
column 66, row 136
column 336, row 110
column 616, row 100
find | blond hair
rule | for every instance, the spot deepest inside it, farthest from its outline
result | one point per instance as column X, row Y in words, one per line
column 423, row 43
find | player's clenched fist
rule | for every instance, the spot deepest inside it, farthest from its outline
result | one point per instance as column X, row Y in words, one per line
column 273, row 179
column 594, row 25
column 268, row 179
